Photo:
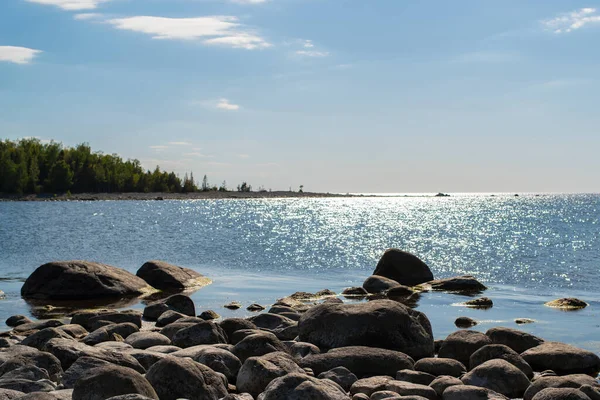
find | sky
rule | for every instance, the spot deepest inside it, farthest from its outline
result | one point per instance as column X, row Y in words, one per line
column 335, row 95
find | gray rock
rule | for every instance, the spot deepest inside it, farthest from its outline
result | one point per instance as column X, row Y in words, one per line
column 17, row 320
column 209, row 315
column 130, row 397
column 231, row 325
column 39, row 339
column 481, row 302
column 465, row 322
column 28, row 386
column 467, row 392
column 178, row 302
column 164, row 349
column 108, row 333
column 205, row 332
column 457, row 284
column 219, row 360
column 74, row 330
column 171, row 329
column 254, row 307
column 560, row 394
column 258, row 344
column 562, row 358
column 356, row 291
column 146, row 358
column 370, row 385
column 500, row 376
column 27, row 372
column 18, row 356
column 361, row 361
column 500, row 351
column 132, row 316
column 570, row 303
column 174, row 378
column 443, row 382
column 272, row 321
column 517, row 340
column 8, row 394
column 114, row 346
column 462, row 344
column 441, row 366
column 300, row 386
column 381, row 323
column 411, row 389
column 302, row 349
column 31, row 327
column 240, row 396
column 568, row 381
column 144, row 340
column 164, row 276
column 419, row 377
column 340, row 375
column 257, row 372
column 81, row 368
column 379, row 284
column 79, row 280
column 110, row 380
column 403, row 267
column 168, row 317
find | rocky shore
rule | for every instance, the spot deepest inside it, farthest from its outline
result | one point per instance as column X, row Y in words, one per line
column 364, row 343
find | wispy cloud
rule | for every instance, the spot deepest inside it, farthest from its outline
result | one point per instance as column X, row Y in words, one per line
column 568, row 22
column 224, row 104
column 87, row 16
column 18, row 55
column 213, row 30
column 159, row 147
column 197, row 154
column 71, row 5
column 180, row 143
column 312, row 53
column 244, row 156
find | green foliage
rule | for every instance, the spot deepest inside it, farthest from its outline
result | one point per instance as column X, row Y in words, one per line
column 29, row 166
column 244, row 187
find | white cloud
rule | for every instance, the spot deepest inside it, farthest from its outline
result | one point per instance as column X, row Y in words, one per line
column 312, row 53
column 159, row 147
column 224, row 104
column 573, row 20
column 180, row 143
column 71, row 5
column 86, row 16
column 197, row 154
column 17, row 55
column 213, row 30
column 308, row 44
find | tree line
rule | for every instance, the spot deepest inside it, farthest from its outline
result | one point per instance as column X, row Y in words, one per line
column 28, row 166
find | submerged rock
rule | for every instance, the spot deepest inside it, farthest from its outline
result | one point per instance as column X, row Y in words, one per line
column 379, row 284
column 465, row 322
column 79, row 280
column 570, row 303
column 165, row 276
column 403, row 267
column 459, row 284
column 481, row 302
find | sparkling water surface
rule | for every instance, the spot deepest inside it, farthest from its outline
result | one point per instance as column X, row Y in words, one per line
column 528, row 249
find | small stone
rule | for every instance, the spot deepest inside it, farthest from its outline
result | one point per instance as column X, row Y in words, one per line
column 209, row 315
column 255, row 307
column 521, row 321
column 481, row 302
column 357, row 291
column 234, row 305
column 465, row 322
column 569, row 303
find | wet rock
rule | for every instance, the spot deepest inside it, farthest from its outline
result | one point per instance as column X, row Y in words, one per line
column 517, row 340
column 168, row 317
column 400, row 291
column 171, row 329
column 462, row 344
column 500, row 351
column 467, row 392
column 258, row 344
column 79, row 280
column 568, row 381
column 300, row 386
column 560, row 394
column 108, row 333
column 403, row 267
column 570, row 303
column 441, row 366
column 418, row 377
column 500, row 376
column 562, row 358
column 325, row 293
column 357, row 291
column 522, row 321
column 144, row 340
column 234, row 305
column 465, row 322
column 443, row 382
column 219, row 360
column 110, row 380
column 380, row 323
column 231, row 325
column 205, row 332
column 257, row 372
column 481, row 302
column 165, row 276
column 361, row 361
column 340, row 375
column 379, row 284
column 255, row 307
column 17, row 320
column 209, row 315
column 457, row 284
column 182, row 378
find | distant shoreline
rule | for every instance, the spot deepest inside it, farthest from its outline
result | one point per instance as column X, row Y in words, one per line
column 172, row 196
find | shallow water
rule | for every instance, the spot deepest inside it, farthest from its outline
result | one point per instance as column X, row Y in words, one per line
column 527, row 249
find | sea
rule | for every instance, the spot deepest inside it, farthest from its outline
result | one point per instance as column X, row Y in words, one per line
column 527, row 248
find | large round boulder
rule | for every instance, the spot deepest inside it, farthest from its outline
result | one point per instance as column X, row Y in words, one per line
column 379, row 284
column 301, row 386
column 456, row 284
column 219, row 360
column 258, row 344
column 568, row 381
column 500, row 376
column 437, row 366
column 562, row 358
column 257, row 372
column 460, row 345
column 205, row 332
column 500, row 351
column 405, row 268
column 468, row 392
column 182, row 378
column 517, row 340
column 80, row 280
column 560, row 394
column 165, row 276
column 381, row 323
column 108, row 381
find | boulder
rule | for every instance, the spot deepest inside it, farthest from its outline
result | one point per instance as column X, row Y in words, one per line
column 361, row 361
column 231, row 325
column 457, row 284
column 143, row 340
column 28, row 372
column 443, row 382
column 171, row 329
column 404, row 268
column 17, row 356
column 418, row 377
column 209, row 315
column 340, row 375
column 164, row 276
column 300, row 350
column 380, row 323
column 205, row 332
column 257, row 372
column 254, row 307
column 569, row 303
column 500, row 376
column 74, row 330
column 441, row 366
column 272, row 321
column 465, row 322
column 355, row 291
column 8, row 394
column 32, row 327
column 411, row 389
column 462, row 344
column 370, row 385
column 217, row 359
column 117, row 317
column 28, row 386
column 500, row 351
column 379, row 284
column 81, row 368
column 562, row 358
column 301, row 386
column 567, row 381
column 146, row 358
column 467, row 392
column 17, row 320
column 110, row 380
column 178, row 302
column 81, row 280
column 168, row 317
column 258, row 344
column 182, row 378
column 560, row 394
column 110, row 333
column 517, row 340
column 481, row 302
column 39, row 339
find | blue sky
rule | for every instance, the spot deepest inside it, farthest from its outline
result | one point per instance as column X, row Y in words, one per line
column 335, row 95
